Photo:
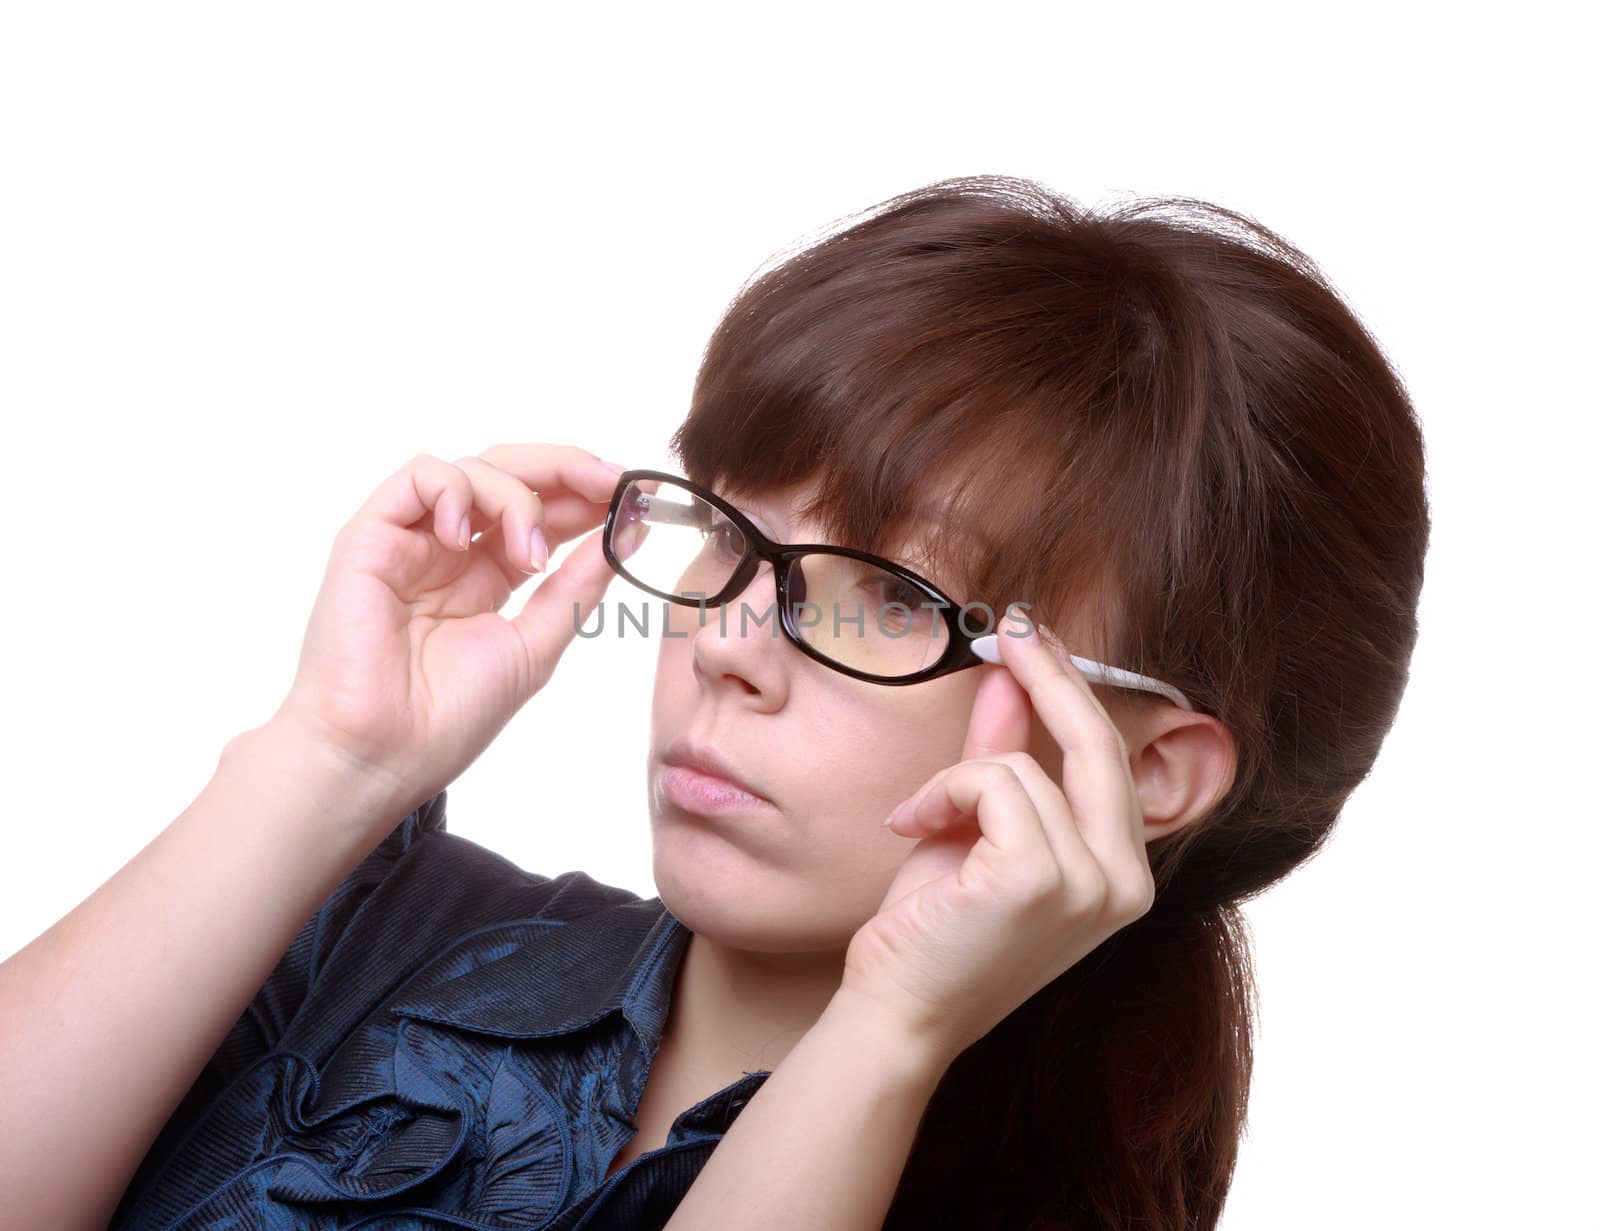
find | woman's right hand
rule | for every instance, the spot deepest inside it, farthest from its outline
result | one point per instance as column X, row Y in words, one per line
column 408, row 671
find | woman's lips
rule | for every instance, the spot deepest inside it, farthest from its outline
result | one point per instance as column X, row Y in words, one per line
column 694, row 791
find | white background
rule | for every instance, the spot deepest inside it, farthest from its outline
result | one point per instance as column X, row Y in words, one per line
column 252, row 258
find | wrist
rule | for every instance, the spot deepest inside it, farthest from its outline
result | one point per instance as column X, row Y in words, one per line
column 280, row 756
column 918, row 1057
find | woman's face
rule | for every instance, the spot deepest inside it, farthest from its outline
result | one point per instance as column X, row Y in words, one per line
column 833, row 754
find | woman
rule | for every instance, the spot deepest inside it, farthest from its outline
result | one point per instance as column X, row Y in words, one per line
column 1023, row 1002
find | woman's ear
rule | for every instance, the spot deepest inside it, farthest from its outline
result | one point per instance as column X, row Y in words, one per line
column 1182, row 764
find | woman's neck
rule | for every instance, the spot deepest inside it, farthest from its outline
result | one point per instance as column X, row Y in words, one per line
column 735, row 1011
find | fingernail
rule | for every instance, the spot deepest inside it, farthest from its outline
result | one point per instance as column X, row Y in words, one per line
column 538, row 552
column 1019, row 622
column 464, row 531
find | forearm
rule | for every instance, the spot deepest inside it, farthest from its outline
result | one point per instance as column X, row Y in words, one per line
column 822, row 1145
column 111, row 1013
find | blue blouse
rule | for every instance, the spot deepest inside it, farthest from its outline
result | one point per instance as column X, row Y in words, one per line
column 450, row 1041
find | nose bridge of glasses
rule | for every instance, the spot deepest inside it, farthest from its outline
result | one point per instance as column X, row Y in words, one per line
column 753, row 569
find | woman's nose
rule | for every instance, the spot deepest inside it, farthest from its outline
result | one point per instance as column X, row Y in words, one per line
column 740, row 637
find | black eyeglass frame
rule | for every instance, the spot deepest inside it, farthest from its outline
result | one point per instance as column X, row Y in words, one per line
column 958, row 654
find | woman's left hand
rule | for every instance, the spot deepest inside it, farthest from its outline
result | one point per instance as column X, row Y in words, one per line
column 1016, row 876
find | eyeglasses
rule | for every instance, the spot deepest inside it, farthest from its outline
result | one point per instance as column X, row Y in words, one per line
column 858, row 613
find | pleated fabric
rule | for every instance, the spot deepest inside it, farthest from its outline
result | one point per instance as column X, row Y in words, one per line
column 450, row 1041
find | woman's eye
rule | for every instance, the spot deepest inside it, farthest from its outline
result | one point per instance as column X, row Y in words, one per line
column 898, row 590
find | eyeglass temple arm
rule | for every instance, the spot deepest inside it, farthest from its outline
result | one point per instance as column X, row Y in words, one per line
column 670, row 512
column 988, row 649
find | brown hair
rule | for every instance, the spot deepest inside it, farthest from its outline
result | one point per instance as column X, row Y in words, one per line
column 1163, row 414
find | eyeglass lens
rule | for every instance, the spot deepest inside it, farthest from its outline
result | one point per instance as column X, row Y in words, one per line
column 849, row 611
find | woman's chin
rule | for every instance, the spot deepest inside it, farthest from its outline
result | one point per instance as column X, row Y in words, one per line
column 710, row 867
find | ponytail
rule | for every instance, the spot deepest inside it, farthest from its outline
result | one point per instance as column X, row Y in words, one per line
column 1115, row 1097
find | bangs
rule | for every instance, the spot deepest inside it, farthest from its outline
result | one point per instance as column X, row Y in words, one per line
column 892, row 494
column 928, row 373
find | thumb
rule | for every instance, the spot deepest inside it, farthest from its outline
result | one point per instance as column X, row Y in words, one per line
column 1002, row 716
column 562, row 603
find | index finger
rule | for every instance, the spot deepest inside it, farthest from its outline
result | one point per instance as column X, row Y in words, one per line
column 536, row 462
column 569, row 481
column 1094, row 763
